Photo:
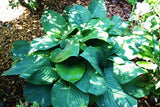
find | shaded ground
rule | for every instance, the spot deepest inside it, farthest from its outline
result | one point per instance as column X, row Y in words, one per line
column 27, row 27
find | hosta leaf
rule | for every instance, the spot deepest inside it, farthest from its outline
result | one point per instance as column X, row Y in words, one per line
column 119, row 26
column 146, row 65
column 117, row 60
column 97, row 9
column 71, row 31
column 131, row 48
column 63, row 94
column 126, row 72
column 132, row 88
column 94, row 55
column 69, row 47
column 29, row 63
column 92, row 83
column 115, row 31
column 42, row 75
column 71, row 70
column 79, row 15
column 43, row 43
column 20, row 48
column 96, row 34
column 39, row 93
column 115, row 47
column 114, row 95
column 53, row 22
column 102, row 23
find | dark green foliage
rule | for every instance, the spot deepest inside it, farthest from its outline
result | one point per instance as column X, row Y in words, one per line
column 79, row 61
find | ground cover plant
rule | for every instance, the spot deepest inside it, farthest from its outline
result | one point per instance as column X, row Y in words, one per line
column 83, row 59
column 148, row 24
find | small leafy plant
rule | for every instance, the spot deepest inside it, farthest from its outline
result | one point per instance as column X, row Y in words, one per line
column 83, row 59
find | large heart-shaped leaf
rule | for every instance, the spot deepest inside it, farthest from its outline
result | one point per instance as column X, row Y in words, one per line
column 39, row 93
column 126, row 72
column 53, row 22
column 20, row 48
column 69, row 47
column 71, row 70
column 96, row 34
column 63, row 94
column 114, row 95
column 29, row 63
column 95, row 56
column 41, row 75
column 91, row 82
column 97, row 9
column 79, row 15
column 132, row 88
column 43, row 43
column 102, row 23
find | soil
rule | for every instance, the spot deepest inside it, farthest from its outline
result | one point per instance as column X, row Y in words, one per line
column 27, row 27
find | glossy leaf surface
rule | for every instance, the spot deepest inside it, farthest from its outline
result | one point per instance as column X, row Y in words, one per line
column 69, row 48
column 43, row 43
column 53, row 22
column 79, row 15
column 71, row 70
column 126, row 72
column 94, row 55
column 92, row 83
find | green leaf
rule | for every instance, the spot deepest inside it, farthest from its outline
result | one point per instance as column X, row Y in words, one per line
column 119, row 26
column 98, row 9
column 53, row 22
column 69, row 47
column 63, row 94
column 146, row 65
column 43, row 43
column 157, row 86
column 29, row 63
column 102, row 23
column 156, row 47
column 20, row 48
column 132, row 2
column 38, row 93
column 91, row 82
column 132, row 88
column 41, row 75
column 147, row 49
column 95, row 56
column 96, row 34
column 131, row 49
column 79, row 15
column 71, row 70
column 127, row 72
column 117, row 60
column 114, row 95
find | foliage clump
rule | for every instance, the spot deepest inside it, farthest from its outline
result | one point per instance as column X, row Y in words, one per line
column 83, row 59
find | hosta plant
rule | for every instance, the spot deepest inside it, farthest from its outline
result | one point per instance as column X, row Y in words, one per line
column 83, row 59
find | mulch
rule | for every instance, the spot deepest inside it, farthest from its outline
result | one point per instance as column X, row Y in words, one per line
column 27, row 27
